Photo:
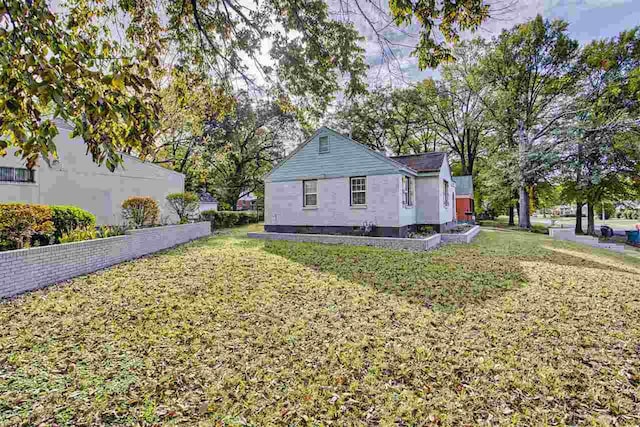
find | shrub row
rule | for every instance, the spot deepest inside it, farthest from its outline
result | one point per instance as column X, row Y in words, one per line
column 227, row 219
column 23, row 225
column 628, row 214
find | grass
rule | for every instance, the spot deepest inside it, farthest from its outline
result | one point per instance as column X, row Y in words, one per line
column 513, row 329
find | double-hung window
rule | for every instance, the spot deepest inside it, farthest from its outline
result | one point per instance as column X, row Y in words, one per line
column 323, row 144
column 446, row 192
column 310, row 193
column 407, row 191
column 358, row 190
column 16, row 175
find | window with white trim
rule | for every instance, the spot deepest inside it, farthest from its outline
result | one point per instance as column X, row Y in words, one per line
column 323, row 144
column 310, row 193
column 358, row 190
column 407, row 191
column 446, row 192
column 16, row 175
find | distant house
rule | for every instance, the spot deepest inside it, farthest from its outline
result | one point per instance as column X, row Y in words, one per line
column 568, row 210
column 207, row 202
column 332, row 184
column 247, row 202
column 74, row 179
column 464, row 198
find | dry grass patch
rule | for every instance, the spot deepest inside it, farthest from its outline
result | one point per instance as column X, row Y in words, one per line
column 514, row 329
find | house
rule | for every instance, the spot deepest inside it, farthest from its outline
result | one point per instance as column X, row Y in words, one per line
column 333, row 185
column 207, row 202
column 247, row 202
column 74, row 179
column 568, row 210
column 464, row 198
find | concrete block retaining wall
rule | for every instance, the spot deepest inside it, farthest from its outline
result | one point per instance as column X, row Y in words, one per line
column 381, row 242
column 569, row 234
column 461, row 238
column 28, row 269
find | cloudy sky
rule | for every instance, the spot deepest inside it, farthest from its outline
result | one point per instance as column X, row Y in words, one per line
column 588, row 20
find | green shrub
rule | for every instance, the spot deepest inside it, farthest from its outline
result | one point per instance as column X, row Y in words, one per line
column 19, row 222
column 183, row 204
column 228, row 219
column 79, row 234
column 139, row 211
column 68, row 218
column 104, row 231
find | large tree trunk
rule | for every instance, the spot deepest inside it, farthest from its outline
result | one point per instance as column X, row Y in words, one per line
column 579, row 218
column 591, row 224
column 512, row 216
column 524, row 221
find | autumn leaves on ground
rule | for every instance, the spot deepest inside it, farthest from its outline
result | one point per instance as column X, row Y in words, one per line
column 515, row 328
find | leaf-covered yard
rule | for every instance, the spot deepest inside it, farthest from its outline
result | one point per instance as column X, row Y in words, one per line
column 515, row 328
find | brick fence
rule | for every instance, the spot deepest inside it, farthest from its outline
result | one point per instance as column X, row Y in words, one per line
column 28, row 269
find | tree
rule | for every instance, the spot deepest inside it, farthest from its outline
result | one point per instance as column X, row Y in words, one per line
column 188, row 101
column 388, row 119
column 245, row 145
column 602, row 153
column 183, row 204
column 532, row 69
column 68, row 68
column 454, row 105
column 67, row 64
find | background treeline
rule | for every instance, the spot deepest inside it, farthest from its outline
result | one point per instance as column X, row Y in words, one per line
column 537, row 119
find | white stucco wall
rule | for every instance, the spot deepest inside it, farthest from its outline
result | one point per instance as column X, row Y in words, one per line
column 77, row 180
column 283, row 203
column 207, row 206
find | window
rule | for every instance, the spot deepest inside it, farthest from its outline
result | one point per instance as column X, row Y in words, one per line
column 310, row 193
column 407, row 191
column 323, row 144
column 16, row 175
column 358, row 191
column 446, row 192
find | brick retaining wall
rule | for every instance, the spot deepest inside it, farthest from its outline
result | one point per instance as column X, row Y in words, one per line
column 381, row 242
column 28, row 269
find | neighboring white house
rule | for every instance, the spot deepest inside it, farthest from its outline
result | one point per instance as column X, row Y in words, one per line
column 334, row 185
column 74, row 179
column 207, row 202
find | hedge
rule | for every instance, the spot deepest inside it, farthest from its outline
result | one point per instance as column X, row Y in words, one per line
column 69, row 218
column 227, row 219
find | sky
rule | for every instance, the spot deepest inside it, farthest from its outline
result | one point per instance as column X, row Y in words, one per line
column 588, row 20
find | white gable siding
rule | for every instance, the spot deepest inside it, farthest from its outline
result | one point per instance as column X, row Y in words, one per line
column 345, row 158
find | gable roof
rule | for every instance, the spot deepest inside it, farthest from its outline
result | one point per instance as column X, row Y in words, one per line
column 206, row 197
column 363, row 147
column 425, row 162
column 464, row 185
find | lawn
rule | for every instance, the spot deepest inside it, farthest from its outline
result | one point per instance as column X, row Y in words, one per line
column 513, row 329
